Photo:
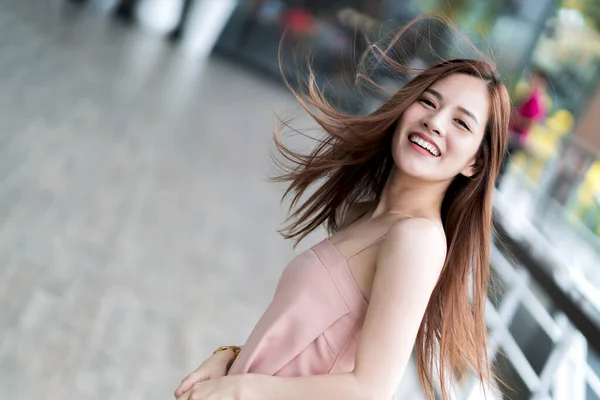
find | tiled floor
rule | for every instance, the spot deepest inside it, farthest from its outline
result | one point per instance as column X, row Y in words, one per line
column 137, row 226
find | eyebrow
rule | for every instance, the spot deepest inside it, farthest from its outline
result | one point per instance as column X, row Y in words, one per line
column 439, row 96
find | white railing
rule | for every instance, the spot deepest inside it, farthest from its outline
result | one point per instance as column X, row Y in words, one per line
column 566, row 373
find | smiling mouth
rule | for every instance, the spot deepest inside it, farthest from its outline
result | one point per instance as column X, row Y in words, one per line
column 424, row 145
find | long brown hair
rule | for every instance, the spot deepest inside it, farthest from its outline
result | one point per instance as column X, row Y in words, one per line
column 352, row 161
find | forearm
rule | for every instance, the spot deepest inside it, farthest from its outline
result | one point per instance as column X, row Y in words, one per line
column 316, row 387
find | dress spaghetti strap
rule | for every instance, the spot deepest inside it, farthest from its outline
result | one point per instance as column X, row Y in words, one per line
column 366, row 246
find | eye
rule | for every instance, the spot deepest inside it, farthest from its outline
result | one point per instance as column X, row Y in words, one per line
column 463, row 124
column 427, row 102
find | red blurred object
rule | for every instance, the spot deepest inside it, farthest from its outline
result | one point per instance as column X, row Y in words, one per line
column 298, row 21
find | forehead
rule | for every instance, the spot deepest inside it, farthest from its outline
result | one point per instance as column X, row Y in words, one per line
column 469, row 92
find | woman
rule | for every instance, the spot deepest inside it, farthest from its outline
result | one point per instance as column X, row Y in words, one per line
column 406, row 193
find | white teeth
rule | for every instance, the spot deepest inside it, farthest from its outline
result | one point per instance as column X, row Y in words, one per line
column 426, row 145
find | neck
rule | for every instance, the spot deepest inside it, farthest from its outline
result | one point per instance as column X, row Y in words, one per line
column 404, row 195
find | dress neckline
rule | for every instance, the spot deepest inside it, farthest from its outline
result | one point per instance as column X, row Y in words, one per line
column 344, row 260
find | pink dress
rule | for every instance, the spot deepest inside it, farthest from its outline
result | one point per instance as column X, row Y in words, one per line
column 313, row 323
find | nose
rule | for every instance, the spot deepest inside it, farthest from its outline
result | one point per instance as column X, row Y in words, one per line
column 434, row 125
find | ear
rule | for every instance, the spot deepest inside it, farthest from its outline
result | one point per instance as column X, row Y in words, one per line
column 475, row 164
column 471, row 168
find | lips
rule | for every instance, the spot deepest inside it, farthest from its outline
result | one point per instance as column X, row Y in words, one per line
column 425, row 142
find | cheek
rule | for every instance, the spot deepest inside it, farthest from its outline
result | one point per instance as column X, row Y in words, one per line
column 462, row 150
column 409, row 118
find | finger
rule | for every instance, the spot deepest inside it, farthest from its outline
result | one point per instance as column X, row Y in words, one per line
column 185, row 396
column 189, row 381
column 193, row 393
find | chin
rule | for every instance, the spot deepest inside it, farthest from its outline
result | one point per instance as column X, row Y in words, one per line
column 422, row 170
column 416, row 170
column 416, row 166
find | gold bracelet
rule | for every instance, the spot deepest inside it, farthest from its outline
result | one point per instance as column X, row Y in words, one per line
column 236, row 350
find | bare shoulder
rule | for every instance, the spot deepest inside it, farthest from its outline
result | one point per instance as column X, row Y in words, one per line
column 415, row 241
column 417, row 226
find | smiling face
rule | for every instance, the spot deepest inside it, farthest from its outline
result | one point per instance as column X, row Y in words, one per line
column 438, row 136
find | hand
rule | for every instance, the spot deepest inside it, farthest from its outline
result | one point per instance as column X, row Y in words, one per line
column 226, row 388
column 214, row 367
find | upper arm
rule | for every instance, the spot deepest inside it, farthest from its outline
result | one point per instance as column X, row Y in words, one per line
column 408, row 267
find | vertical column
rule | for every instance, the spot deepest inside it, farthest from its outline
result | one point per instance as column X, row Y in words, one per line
column 210, row 18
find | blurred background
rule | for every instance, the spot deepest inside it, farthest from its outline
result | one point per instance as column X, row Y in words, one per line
column 138, row 230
